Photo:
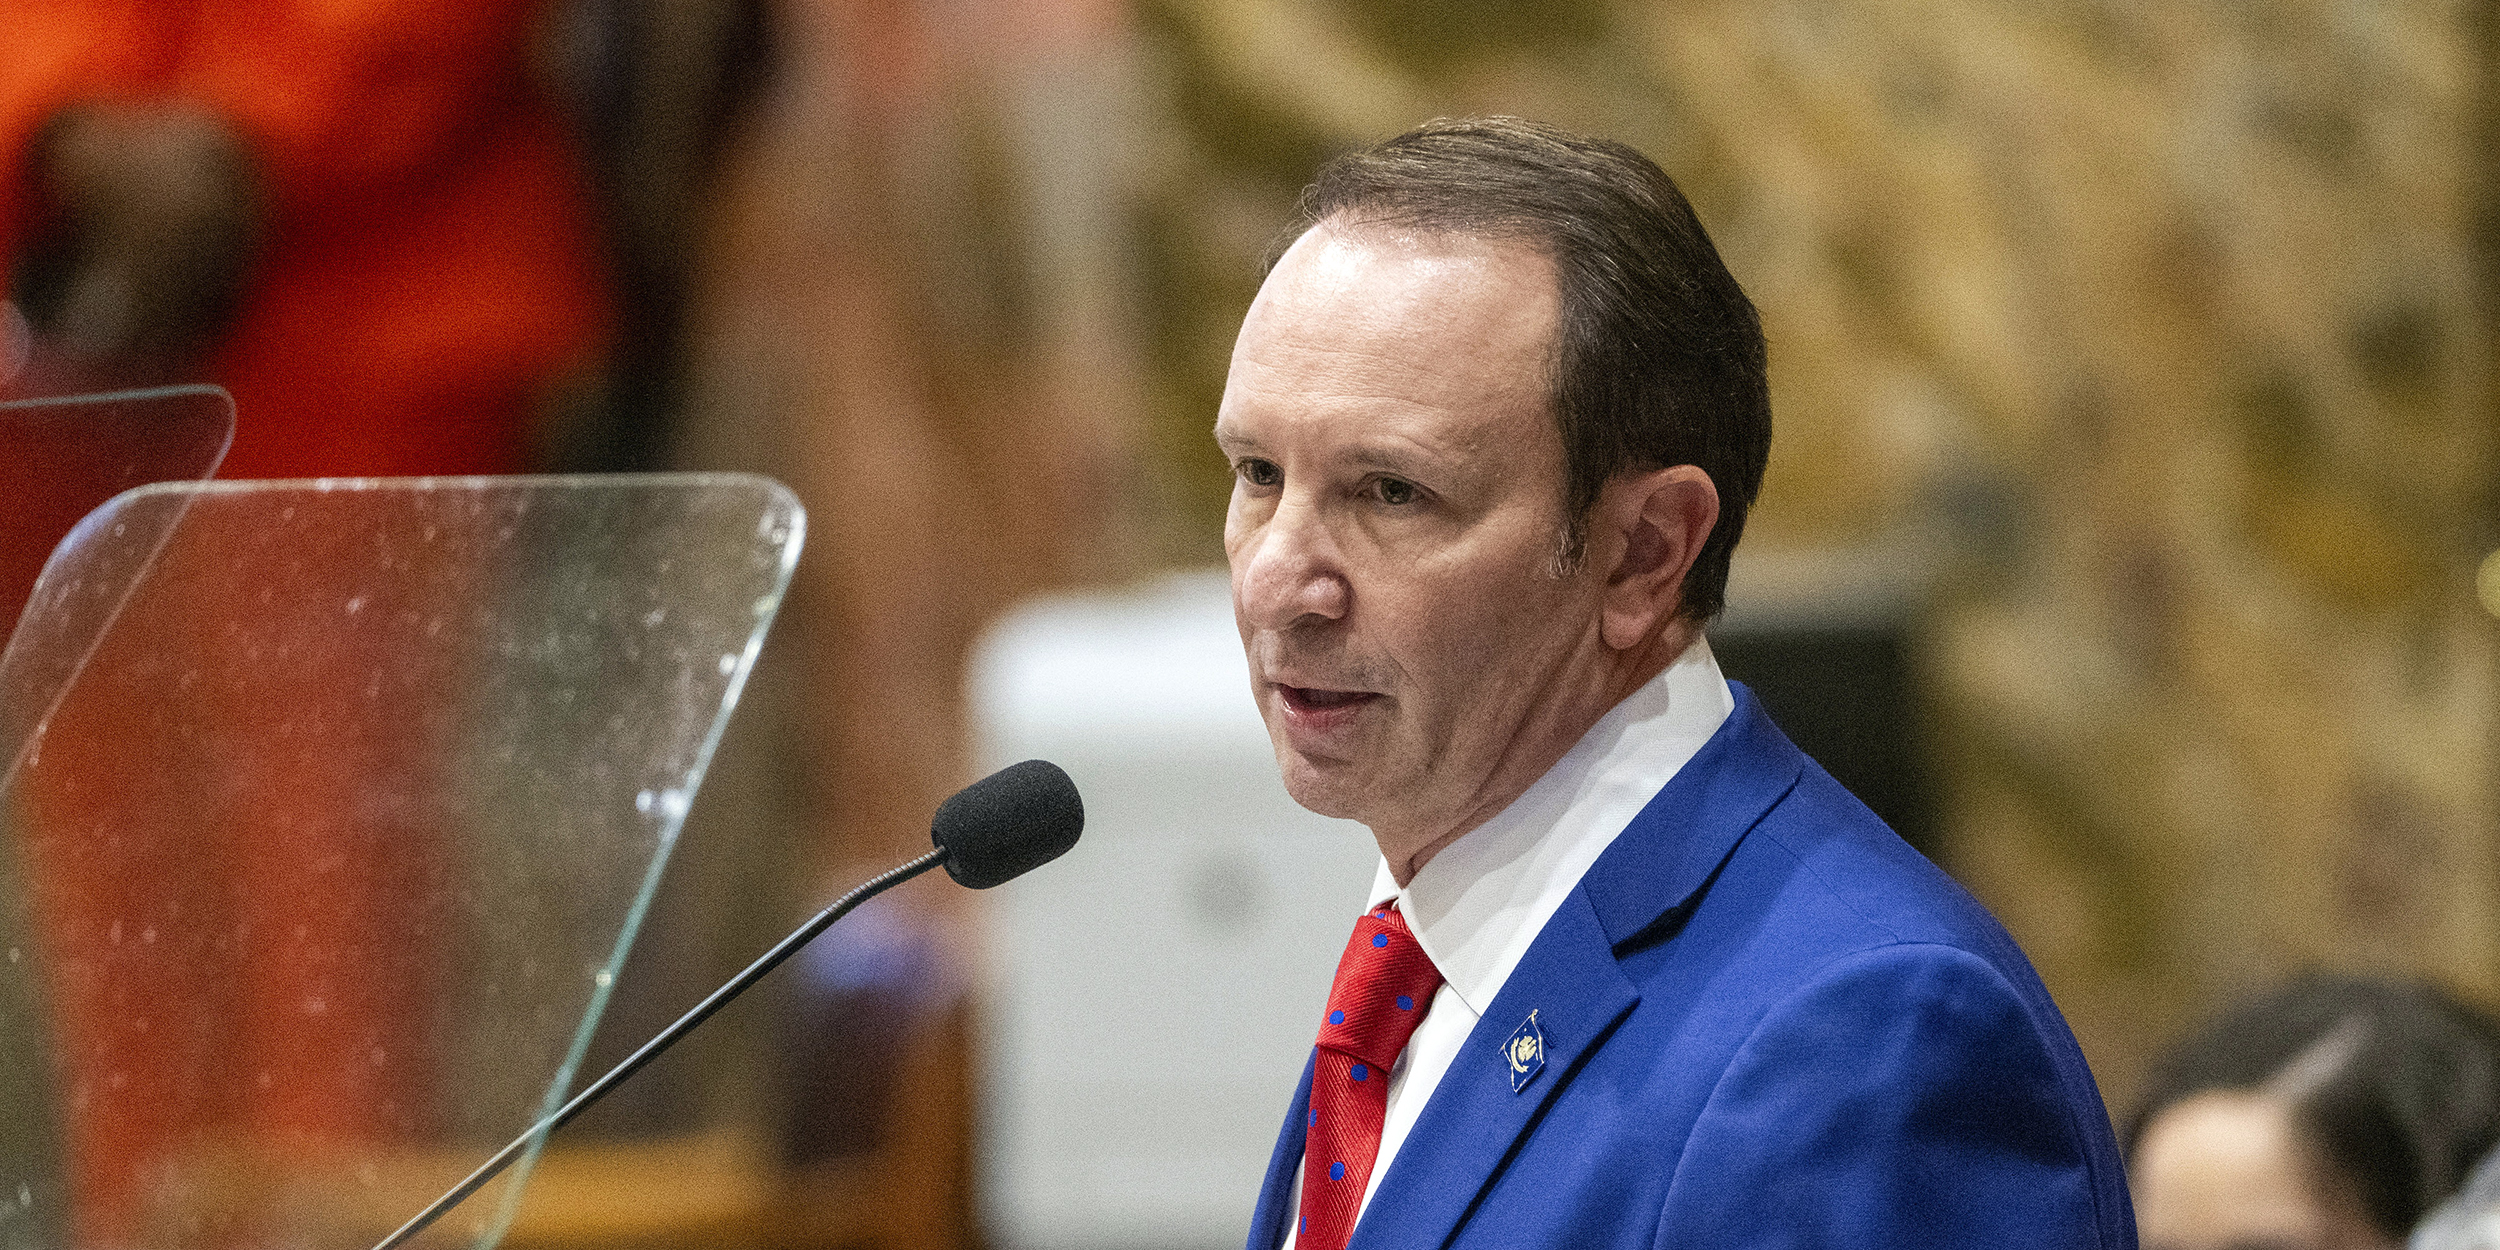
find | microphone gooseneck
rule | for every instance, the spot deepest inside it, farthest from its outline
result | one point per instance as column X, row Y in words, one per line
column 990, row 832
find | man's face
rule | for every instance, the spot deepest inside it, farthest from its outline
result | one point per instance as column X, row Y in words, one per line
column 1396, row 521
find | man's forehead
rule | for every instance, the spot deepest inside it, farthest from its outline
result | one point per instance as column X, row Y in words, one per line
column 1386, row 346
column 1467, row 304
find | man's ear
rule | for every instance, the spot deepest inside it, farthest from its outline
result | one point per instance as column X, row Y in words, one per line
column 1657, row 523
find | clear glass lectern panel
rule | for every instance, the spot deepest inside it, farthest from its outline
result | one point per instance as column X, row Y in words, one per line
column 317, row 874
column 60, row 459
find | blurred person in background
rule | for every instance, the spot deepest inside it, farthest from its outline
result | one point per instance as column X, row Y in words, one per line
column 366, row 221
column 2331, row 1114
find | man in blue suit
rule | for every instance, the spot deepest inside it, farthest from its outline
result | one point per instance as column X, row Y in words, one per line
column 1635, row 972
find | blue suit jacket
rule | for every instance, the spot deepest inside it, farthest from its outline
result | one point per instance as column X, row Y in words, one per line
column 1768, row 1022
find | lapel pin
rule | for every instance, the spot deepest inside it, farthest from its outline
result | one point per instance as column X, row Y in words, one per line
column 1525, row 1053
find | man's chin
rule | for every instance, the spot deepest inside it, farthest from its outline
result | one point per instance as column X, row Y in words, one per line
column 1328, row 787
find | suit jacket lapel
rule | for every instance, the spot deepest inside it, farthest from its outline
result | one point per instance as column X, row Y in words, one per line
column 1467, row 1132
column 1267, row 1222
column 1644, row 884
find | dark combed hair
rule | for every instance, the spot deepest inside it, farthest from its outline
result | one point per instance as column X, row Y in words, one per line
column 2395, row 1083
column 1659, row 357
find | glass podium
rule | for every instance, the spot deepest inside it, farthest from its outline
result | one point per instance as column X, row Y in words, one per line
column 333, row 808
column 60, row 459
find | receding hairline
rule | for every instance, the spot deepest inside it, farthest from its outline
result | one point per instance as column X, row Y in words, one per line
column 1388, row 221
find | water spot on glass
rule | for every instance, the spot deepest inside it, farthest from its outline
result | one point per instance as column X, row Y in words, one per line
column 316, row 1006
column 673, row 803
column 116, row 937
column 25, row 1195
column 368, row 1175
column 147, row 935
column 15, row 954
column 381, row 1057
column 117, row 1080
column 604, row 979
column 728, row 665
column 355, row 605
column 261, row 1078
column 645, row 801
column 654, row 616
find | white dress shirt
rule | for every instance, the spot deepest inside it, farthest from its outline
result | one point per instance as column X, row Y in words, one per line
column 1477, row 905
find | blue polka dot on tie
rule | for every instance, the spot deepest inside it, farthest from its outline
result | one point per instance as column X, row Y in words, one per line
column 1336, row 1171
column 1405, row 1003
column 1380, row 939
column 1362, row 1073
column 1336, row 1017
column 1304, row 1226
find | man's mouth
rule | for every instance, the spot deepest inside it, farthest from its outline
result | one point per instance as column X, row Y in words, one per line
column 1309, row 699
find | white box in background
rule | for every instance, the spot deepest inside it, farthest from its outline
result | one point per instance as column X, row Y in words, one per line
column 1147, row 1001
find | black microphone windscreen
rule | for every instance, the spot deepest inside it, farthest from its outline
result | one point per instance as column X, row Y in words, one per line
column 1008, row 823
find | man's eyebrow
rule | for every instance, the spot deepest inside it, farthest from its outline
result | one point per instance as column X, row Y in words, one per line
column 1232, row 438
column 1402, row 459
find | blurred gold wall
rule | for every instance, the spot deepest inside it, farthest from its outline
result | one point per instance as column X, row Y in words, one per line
column 2157, row 332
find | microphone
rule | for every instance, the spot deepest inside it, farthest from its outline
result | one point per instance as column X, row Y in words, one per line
column 1008, row 824
column 989, row 833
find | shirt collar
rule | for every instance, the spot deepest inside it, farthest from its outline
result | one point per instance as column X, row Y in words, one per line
column 1477, row 905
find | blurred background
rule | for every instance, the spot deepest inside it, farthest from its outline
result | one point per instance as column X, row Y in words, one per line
column 2132, row 366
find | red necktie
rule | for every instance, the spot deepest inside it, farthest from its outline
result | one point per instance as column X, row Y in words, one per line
column 1384, row 987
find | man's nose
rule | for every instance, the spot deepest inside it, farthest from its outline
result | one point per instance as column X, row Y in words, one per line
column 1292, row 571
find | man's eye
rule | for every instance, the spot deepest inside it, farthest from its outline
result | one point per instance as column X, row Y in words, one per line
column 1259, row 472
column 1394, row 492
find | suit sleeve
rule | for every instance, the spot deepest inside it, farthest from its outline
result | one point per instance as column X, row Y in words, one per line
column 1903, row 1096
